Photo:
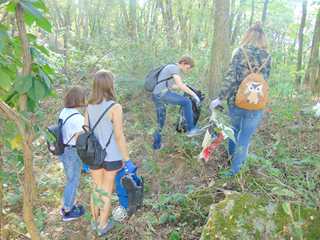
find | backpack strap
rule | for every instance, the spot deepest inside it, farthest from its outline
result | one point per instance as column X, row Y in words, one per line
column 107, row 144
column 66, row 121
column 264, row 63
column 245, row 54
column 102, row 115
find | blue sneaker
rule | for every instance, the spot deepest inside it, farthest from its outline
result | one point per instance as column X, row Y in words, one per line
column 103, row 230
column 75, row 213
column 86, row 168
column 74, row 207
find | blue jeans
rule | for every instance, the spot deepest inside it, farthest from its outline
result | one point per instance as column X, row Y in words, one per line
column 244, row 123
column 168, row 97
column 72, row 167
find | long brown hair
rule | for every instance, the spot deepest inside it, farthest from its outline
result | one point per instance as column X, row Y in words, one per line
column 102, row 87
column 255, row 37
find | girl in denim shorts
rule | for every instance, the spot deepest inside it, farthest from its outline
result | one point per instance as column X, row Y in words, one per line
column 109, row 130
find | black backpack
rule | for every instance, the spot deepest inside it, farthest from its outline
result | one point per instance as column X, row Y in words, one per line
column 151, row 79
column 88, row 147
column 55, row 131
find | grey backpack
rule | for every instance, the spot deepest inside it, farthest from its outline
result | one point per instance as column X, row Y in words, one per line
column 151, row 79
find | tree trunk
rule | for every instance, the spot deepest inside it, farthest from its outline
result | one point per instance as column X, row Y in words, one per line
column 29, row 181
column 314, row 88
column 220, row 47
column 300, row 39
column 66, row 35
column 1, row 196
column 232, row 14
column 252, row 13
column 238, row 23
column 264, row 12
column 133, row 17
column 27, row 61
column 168, row 21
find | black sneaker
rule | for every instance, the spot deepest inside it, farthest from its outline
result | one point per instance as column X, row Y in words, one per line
column 75, row 213
column 74, row 206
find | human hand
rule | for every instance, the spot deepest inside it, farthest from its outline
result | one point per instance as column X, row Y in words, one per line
column 197, row 99
column 130, row 166
column 214, row 103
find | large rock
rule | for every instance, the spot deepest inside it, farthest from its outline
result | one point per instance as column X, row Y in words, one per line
column 242, row 216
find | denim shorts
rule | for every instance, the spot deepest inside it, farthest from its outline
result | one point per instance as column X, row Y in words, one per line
column 108, row 166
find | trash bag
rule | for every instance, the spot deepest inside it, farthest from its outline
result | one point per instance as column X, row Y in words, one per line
column 181, row 125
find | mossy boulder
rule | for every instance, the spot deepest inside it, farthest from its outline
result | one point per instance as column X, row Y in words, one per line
column 242, row 216
column 196, row 208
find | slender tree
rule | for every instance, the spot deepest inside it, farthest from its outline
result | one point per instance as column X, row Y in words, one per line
column 238, row 23
column 300, row 39
column 264, row 12
column 29, row 180
column 252, row 13
column 220, row 47
column 314, row 80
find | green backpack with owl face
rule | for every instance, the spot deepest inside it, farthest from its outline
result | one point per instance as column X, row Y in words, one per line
column 252, row 93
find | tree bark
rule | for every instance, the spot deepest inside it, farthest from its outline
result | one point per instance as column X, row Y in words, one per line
column 264, row 12
column 314, row 84
column 29, row 181
column 133, row 17
column 220, row 47
column 252, row 13
column 66, row 35
column 27, row 61
column 300, row 39
column 238, row 23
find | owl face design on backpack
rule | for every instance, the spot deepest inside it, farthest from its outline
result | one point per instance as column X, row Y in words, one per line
column 254, row 92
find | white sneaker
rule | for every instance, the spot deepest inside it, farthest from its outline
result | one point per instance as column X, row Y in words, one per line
column 195, row 132
column 158, row 150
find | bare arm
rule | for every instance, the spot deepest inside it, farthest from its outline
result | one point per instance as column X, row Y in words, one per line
column 181, row 86
column 115, row 115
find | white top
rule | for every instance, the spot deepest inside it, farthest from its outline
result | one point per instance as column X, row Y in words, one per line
column 73, row 125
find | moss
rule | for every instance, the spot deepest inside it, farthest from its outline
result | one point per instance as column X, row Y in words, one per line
column 196, row 208
column 234, row 213
column 242, row 216
column 309, row 221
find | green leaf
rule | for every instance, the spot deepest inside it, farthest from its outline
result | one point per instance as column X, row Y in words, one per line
column 44, row 24
column 29, row 19
column 4, row 1
column 9, row 136
column 54, row 95
column 106, row 194
column 11, row 7
column 1, row 46
column 40, row 4
column 3, row 27
column 286, row 192
column 55, row 185
column 174, row 236
column 23, row 83
column 163, row 218
column 45, row 78
column 5, row 80
column 95, row 199
column 40, row 115
column 37, row 91
column 287, row 208
column 3, row 33
column 5, row 177
column 42, row 49
column 230, row 134
column 172, row 218
column 34, row 52
column 4, row 174
column 28, row 7
column 31, row 37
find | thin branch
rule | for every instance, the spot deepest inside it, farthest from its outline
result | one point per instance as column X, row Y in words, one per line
column 18, row 115
column 76, row 82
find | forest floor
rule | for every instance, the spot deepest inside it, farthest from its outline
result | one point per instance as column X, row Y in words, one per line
column 175, row 171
